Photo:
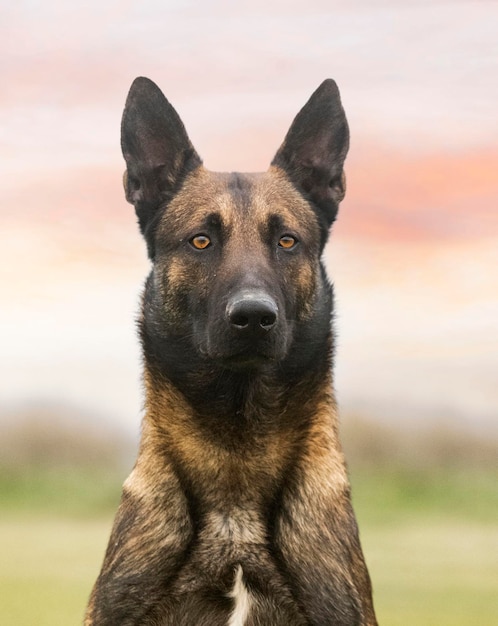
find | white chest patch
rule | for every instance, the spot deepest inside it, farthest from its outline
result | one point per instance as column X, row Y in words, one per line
column 242, row 599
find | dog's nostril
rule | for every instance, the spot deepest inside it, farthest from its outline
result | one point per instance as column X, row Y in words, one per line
column 267, row 321
column 239, row 320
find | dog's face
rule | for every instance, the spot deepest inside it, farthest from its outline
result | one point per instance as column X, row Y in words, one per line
column 236, row 265
column 236, row 257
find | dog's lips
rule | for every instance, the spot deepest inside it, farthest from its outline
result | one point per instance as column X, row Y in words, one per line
column 248, row 357
column 245, row 352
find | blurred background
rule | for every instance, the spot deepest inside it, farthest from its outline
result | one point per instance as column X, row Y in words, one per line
column 413, row 256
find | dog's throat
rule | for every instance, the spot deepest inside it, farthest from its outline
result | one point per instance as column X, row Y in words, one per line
column 216, row 392
column 226, row 397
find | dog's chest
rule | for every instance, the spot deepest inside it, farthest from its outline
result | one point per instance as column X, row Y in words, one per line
column 225, row 541
column 242, row 600
column 231, row 560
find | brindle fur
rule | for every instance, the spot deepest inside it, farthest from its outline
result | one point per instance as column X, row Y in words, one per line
column 239, row 462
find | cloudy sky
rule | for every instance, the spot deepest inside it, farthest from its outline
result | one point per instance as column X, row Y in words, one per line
column 414, row 254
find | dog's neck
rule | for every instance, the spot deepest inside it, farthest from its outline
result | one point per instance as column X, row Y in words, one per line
column 251, row 435
column 222, row 399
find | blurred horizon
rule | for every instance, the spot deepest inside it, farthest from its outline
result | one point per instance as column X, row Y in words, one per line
column 413, row 255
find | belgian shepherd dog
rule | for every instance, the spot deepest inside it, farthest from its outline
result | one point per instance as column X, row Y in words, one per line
column 238, row 509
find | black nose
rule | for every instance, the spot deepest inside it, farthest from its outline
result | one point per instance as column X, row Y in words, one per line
column 252, row 312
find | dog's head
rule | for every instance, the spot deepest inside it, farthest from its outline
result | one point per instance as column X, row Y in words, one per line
column 236, row 257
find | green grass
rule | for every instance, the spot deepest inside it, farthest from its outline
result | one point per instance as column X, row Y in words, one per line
column 54, row 526
column 430, row 541
column 434, row 573
column 402, row 494
column 67, row 491
column 47, row 568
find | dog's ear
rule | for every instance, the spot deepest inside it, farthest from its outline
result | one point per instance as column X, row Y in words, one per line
column 314, row 151
column 157, row 151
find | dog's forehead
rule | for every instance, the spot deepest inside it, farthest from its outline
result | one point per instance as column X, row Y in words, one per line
column 241, row 198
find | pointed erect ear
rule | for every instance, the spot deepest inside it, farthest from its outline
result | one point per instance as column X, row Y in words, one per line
column 314, row 151
column 157, row 151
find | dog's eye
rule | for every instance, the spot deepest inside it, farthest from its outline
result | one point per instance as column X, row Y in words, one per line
column 287, row 242
column 200, row 242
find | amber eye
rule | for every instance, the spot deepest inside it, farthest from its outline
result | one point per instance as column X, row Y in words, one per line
column 200, row 242
column 287, row 242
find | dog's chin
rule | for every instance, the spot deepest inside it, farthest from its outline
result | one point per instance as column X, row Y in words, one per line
column 249, row 359
column 242, row 362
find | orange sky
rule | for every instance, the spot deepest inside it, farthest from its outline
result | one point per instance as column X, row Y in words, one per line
column 413, row 255
column 428, row 198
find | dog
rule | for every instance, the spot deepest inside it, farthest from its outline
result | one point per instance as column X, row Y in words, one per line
column 238, row 509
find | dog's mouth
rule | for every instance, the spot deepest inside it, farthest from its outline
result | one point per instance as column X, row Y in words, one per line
column 249, row 357
column 246, row 360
